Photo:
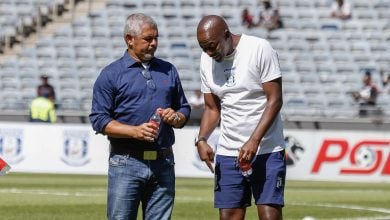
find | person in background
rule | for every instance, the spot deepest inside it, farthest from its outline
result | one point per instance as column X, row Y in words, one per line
column 196, row 100
column 42, row 109
column 385, row 78
column 247, row 19
column 45, row 89
column 126, row 95
column 197, row 103
column 269, row 17
column 242, row 86
column 367, row 95
column 341, row 9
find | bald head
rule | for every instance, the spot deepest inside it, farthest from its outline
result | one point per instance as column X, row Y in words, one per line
column 212, row 24
column 214, row 37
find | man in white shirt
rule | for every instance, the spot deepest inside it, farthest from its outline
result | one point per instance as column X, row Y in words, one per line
column 242, row 86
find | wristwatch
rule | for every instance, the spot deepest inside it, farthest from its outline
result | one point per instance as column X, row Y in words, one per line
column 199, row 139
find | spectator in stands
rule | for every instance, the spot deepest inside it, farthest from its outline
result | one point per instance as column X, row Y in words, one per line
column 269, row 17
column 247, row 19
column 125, row 96
column 45, row 89
column 196, row 100
column 44, row 14
column 29, row 24
column 2, row 43
column 385, row 78
column 61, row 7
column 341, row 9
column 42, row 110
column 197, row 104
column 242, row 87
column 367, row 95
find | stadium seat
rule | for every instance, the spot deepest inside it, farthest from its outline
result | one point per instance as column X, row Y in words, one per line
column 352, row 26
column 327, row 78
column 29, row 74
column 311, row 90
column 285, row 4
column 10, row 100
column 115, row 3
column 303, row 4
column 290, row 78
column 292, row 91
column 316, row 102
column 319, row 47
column 315, row 51
column 383, row 14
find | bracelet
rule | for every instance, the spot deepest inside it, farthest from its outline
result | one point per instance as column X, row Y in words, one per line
column 199, row 139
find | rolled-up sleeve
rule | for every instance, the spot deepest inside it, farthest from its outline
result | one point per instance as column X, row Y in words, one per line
column 102, row 102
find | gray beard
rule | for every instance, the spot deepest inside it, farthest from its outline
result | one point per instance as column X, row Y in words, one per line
column 148, row 57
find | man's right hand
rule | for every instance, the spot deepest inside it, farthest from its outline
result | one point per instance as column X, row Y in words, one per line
column 146, row 132
column 206, row 154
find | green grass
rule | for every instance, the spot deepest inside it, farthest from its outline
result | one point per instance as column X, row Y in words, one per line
column 83, row 197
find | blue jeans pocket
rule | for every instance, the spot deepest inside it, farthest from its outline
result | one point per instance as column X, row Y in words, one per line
column 117, row 160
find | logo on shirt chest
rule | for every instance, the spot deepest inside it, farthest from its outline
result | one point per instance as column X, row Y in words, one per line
column 230, row 76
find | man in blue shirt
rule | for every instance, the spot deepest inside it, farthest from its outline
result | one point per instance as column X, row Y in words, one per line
column 125, row 96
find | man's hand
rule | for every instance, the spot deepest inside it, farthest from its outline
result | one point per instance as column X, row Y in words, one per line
column 146, row 132
column 248, row 151
column 169, row 116
column 206, row 154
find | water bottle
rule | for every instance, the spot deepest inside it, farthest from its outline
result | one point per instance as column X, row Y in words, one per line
column 4, row 167
column 156, row 118
column 246, row 168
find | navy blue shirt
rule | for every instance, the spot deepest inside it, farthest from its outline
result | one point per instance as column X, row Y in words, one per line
column 120, row 93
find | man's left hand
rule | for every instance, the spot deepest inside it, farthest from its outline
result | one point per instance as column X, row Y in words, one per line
column 169, row 116
column 247, row 151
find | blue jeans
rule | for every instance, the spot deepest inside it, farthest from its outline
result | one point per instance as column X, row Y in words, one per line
column 131, row 181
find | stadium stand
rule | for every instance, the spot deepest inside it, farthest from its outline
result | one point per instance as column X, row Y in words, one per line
column 322, row 59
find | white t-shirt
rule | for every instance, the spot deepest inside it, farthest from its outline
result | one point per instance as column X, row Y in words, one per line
column 237, row 81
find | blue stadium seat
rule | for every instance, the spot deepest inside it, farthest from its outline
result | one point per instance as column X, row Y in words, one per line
column 315, row 51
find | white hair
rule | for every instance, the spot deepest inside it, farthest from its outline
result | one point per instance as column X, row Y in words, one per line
column 135, row 22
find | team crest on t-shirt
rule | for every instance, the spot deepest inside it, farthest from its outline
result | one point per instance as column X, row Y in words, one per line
column 230, row 76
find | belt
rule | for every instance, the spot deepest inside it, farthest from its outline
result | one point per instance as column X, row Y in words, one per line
column 142, row 155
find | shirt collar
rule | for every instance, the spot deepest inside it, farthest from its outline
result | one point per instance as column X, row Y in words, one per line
column 130, row 61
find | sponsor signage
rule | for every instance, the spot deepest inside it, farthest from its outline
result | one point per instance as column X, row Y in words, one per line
column 311, row 154
column 338, row 156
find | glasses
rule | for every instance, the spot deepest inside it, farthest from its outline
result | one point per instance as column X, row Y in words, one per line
column 149, row 81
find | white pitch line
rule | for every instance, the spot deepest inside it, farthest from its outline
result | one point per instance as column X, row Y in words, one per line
column 98, row 193
column 196, row 199
column 353, row 207
column 53, row 193
column 364, row 218
column 90, row 194
column 340, row 190
column 343, row 206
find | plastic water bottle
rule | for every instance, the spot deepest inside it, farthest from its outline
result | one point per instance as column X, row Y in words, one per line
column 156, row 118
column 246, row 168
column 4, row 167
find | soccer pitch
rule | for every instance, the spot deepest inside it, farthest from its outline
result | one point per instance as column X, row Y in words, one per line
column 82, row 197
